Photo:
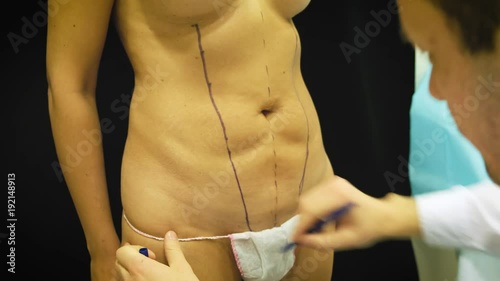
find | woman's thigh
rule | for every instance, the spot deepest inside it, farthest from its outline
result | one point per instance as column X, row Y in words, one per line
column 311, row 265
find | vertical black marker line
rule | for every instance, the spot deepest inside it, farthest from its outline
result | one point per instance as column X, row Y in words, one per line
column 267, row 66
column 272, row 134
column 268, row 81
column 209, row 85
column 301, row 184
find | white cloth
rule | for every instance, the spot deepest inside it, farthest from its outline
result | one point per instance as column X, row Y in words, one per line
column 260, row 255
column 467, row 219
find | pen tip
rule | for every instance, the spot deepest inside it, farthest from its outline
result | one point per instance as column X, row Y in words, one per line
column 288, row 247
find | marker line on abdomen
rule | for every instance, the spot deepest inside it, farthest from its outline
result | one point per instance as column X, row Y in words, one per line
column 302, row 180
column 276, row 189
column 209, row 85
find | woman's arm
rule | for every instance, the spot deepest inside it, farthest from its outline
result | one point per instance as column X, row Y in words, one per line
column 75, row 38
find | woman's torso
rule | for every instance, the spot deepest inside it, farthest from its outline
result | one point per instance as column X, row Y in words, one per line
column 223, row 135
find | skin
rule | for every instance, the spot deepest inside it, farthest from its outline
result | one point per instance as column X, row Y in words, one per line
column 394, row 216
column 72, row 63
column 223, row 136
column 133, row 266
column 455, row 80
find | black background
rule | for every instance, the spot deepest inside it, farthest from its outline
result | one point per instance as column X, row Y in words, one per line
column 363, row 107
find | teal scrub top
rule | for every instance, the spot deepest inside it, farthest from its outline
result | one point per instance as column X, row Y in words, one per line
column 439, row 156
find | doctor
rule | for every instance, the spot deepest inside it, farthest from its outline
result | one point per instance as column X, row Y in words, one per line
column 462, row 39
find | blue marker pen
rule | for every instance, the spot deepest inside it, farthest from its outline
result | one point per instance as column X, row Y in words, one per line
column 333, row 216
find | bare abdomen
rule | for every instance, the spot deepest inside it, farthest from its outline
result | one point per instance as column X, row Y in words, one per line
column 207, row 169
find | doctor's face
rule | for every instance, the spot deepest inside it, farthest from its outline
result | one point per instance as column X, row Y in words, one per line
column 470, row 83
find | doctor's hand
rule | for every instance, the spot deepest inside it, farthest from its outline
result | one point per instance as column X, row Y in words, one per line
column 131, row 265
column 368, row 222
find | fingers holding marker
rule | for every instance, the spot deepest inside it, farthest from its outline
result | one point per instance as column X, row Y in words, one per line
column 131, row 254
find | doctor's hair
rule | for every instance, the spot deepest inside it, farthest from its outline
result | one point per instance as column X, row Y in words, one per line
column 476, row 21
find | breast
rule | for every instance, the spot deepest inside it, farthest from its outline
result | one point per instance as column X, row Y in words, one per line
column 183, row 12
column 202, row 8
column 289, row 8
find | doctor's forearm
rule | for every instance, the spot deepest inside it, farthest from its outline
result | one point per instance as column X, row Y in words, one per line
column 401, row 218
